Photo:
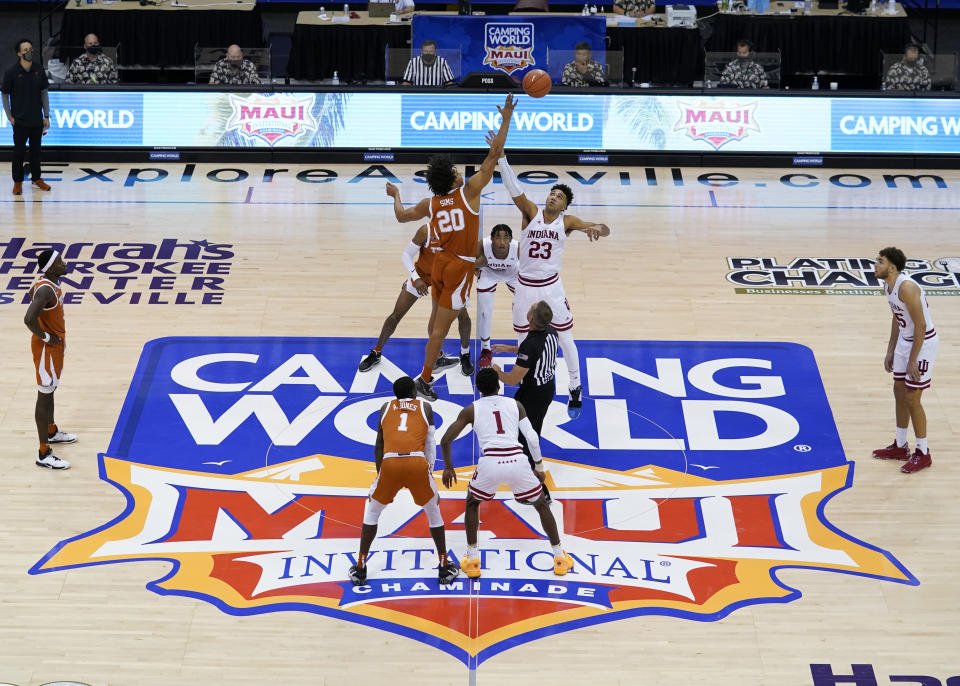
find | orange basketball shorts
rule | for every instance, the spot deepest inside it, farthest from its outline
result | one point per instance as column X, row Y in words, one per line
column 48, row 361
column 412, row 473
column 452, row 280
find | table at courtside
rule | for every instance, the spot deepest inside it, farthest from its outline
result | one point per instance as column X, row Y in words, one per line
column 164, row 35
column 355, row 49
column 824, row 41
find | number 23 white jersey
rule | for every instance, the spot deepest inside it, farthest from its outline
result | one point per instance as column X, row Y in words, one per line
column 496, row 421
column 541, row 247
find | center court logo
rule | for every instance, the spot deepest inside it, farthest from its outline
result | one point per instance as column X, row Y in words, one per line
column 509, row 46
column 717, row 122
column 272, row 118
column 257, row 492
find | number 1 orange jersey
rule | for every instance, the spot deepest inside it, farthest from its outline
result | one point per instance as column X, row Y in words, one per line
column 457, row 224
column 405, row 428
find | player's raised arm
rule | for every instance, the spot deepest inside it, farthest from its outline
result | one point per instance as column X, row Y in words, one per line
column 463, row 420
column 475, row 185
column 409, row 214
column 594, row 231
column 526, row 206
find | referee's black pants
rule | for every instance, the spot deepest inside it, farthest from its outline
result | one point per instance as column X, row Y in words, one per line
column 536, row 401
column 22, row 134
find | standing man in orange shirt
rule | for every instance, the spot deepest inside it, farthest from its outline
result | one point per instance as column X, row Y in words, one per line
column 405, row 452
column 454, row 212
column 44, row 318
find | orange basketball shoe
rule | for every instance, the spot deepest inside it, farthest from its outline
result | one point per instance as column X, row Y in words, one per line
column 471, row 567
column 892, row 452
column 562, row 564
column 917, row 462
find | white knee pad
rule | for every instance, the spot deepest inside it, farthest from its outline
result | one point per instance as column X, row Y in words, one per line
column 432, row 508
column 372, row 512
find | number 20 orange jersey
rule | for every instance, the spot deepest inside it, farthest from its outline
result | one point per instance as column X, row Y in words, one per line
column 456, row 223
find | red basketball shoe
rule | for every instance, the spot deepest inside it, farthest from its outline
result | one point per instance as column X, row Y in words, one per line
column 486, row 359
column 892, row 452
column 917, row 462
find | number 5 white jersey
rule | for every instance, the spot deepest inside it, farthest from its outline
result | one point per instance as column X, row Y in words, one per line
column 496, row 421
column 541, row 249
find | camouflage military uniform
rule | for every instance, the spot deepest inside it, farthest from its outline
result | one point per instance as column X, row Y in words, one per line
column 224, row 74
column 98, row 70
column 641, row 6
column 572, row 77
column 743, row 74
column 903, row 76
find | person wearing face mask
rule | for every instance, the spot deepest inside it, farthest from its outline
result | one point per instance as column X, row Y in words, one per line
column 92, row 67
column 743, row 72
column 909, row 74
column 234, row 70
column 429, row 69
column 27, row 106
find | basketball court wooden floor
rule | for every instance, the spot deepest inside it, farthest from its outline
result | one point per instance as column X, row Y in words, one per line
column 691, row 263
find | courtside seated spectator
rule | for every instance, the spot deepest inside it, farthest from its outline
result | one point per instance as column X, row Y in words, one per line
column 92, row 67
column 633, row 8
column 234, row 70
column 583, row 71
column 908, row 74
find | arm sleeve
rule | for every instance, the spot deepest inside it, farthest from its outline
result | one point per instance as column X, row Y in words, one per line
column 509, row 178
column 45, row 103
column 408, row 257
column 533, row 441
column 430, row 447
column 6, row 106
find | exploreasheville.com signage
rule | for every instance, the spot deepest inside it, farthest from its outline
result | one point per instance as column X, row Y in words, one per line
column 668, row 123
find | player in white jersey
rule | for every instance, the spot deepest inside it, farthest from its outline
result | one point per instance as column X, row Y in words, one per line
column 498, row 421
column 911, row 352
column 497, row 262
column 543, row 235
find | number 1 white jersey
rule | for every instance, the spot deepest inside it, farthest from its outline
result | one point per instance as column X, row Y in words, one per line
column 496, row 421
column 541, row 248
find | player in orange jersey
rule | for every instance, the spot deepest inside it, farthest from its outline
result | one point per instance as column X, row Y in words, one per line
column 454, row 212
column 44, row 318
column 405, row 452
column 415, row 287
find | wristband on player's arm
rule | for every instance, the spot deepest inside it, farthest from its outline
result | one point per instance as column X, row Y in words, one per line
column 509, row 178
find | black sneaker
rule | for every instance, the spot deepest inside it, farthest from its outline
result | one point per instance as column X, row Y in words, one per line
column 574, row 405
column 445, row 361
column 447, row 573
column 370, row 361
column 466, row 366
column 425, row 389
column 358, row 575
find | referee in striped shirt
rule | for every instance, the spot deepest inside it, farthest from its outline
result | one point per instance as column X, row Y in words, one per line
column 534, row 369
column 429, row 69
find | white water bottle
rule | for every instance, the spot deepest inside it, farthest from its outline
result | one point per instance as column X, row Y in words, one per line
column 585, row 11
column 336, row 79
column 815, row 86
column 346, row 10
column 323, row 12
column 892, row 7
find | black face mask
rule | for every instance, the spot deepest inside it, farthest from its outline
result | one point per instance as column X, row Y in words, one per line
column 909, row 61
column 236, row 64
column 94, row 49
column 428, row 59
column 28, row 56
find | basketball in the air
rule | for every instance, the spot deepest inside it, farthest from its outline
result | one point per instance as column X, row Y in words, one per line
column 536, row 83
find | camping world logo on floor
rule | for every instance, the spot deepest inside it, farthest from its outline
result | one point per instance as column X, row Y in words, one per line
column 696, row 472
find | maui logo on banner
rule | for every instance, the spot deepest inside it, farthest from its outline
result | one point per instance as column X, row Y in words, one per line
column 696, row 471
column 509, row 46
column 272, row 118
column 717, row 123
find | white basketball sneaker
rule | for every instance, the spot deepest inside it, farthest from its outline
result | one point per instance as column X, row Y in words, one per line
column 51, row 461
column 62, row 437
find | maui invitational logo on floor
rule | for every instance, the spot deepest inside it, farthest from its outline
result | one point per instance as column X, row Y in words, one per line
column 696, row 472
column 835, row 275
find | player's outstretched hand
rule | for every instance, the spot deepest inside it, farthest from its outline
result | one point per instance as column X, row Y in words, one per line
column 489, row 139
column 449, row 477
column 392, row 190
column 508, row 105
column 503, row 348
